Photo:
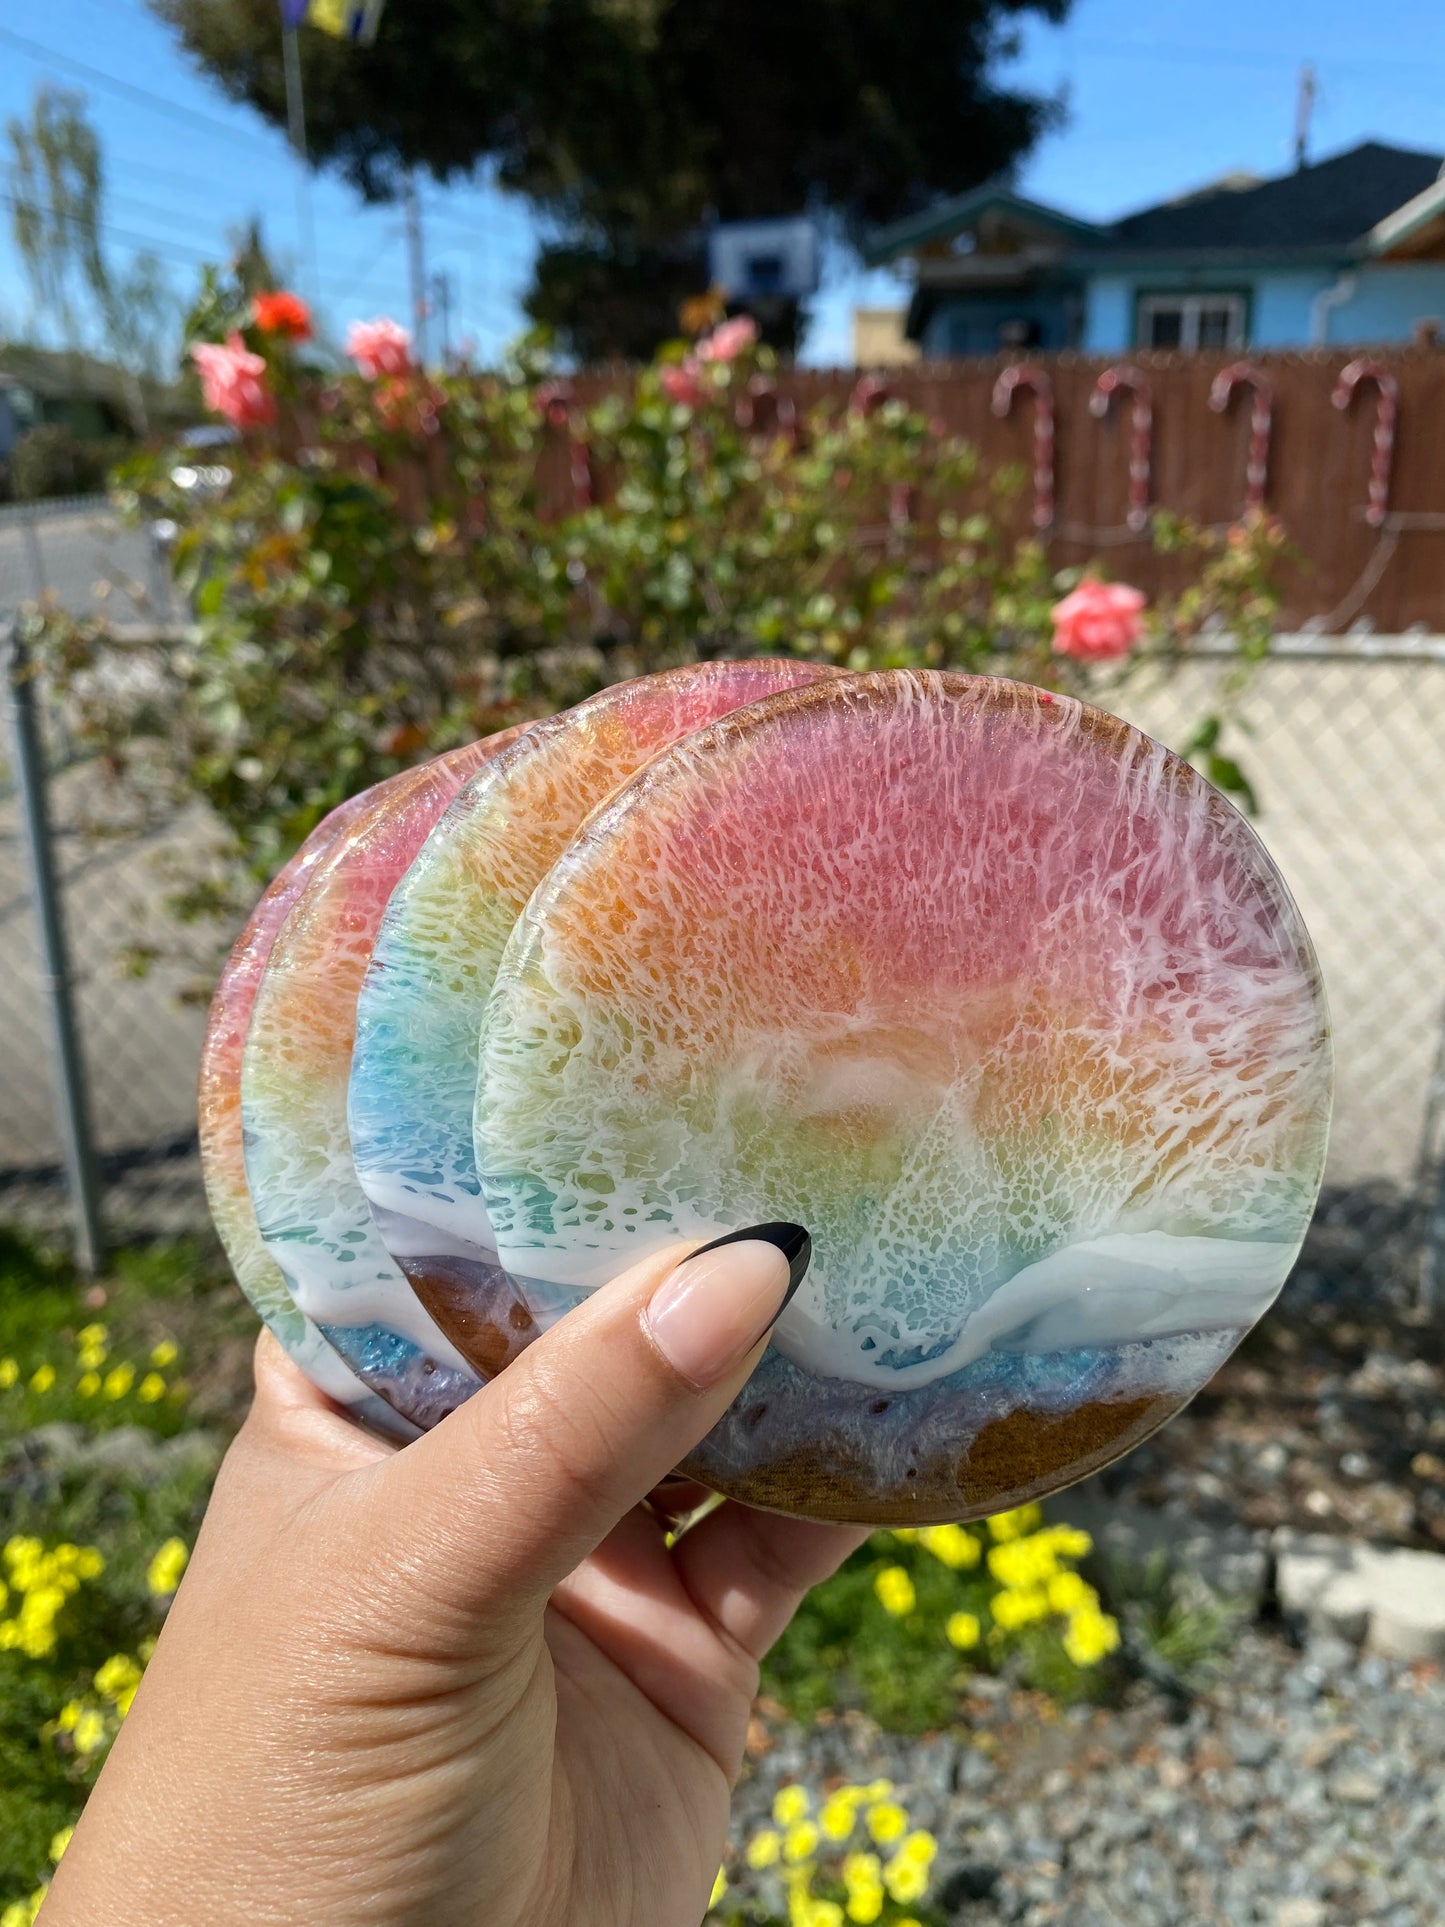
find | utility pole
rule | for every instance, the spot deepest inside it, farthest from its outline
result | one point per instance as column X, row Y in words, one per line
column 296, row 128
column 416, row 262
column 441, row 289
column 1304, row 113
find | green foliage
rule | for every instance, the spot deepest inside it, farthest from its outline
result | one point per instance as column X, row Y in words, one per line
column 83, row 1524
column 53, row 460
column 408, row 563
column 900, row 1628
column 630, row 125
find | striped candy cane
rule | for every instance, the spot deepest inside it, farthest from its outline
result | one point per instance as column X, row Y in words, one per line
column 1387, row 413
column 1029, row 375
column 1134, row 382
column 1243, row 374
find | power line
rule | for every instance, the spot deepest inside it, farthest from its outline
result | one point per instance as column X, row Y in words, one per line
column 110, row 83
column 189, row 255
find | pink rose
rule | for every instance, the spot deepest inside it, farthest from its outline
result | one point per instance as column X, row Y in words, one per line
column 233, row 381
column 380, row 347
column 1099, row 621
column 729, row 339
column 684, row 384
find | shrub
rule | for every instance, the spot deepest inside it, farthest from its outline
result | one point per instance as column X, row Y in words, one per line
column 403, row 561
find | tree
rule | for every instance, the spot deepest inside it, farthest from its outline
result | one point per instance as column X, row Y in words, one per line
column 629, row 123
column 56, row 191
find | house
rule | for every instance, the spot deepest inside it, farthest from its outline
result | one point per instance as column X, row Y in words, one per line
column 1350, row 249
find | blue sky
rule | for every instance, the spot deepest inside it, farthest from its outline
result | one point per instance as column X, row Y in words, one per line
column 1160, row 99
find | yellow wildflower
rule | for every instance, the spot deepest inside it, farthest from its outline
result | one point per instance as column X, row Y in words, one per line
column 905, row 1879
column 92, row 1357
column 89, row 1731
column 962, row 1630
column 88, row 1384
column 59, row 1842
column 895, row 1592
column 719, row 1888
column 955, row 1547
column 9, row 1372
column 838, row 1816
column 800, row 1842
column 825, row 1913
column 763, row 1850
column 166, row 1353
column 67, row 1716
column 92, row 1335
column 865, row 1905
column 117, row 1680
column 89, row 1561
column 1004, row 1526
column 887, row 1822
column 920, row 1847
column 791, row 1805
column 1071, row 1543
column 42, row 1378
column 164, row 1572
column 1090, row 1636
column 1014, row 1609
column 118, row 1380
column 151, row 1387
column 1068, row 1593
column 1022, row 1563
column 876, row 1790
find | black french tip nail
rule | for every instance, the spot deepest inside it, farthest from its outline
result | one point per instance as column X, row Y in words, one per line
column 791, row 1239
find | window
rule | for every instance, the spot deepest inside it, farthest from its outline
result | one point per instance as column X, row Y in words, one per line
column 1191, row 321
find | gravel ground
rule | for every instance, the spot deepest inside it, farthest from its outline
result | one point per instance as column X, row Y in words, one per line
column 1301, row 1788
column 1331, row 1416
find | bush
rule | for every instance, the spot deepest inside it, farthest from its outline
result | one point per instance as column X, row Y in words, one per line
column 387, row 564
column 52, row 460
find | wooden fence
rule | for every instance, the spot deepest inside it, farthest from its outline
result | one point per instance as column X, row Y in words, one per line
column 1359, row 487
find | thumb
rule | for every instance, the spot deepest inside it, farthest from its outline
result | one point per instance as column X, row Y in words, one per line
column 512, row 1491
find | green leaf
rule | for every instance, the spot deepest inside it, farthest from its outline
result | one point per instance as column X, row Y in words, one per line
column 1226, row 775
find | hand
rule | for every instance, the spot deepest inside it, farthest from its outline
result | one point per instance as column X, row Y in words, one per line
column 466, row 1681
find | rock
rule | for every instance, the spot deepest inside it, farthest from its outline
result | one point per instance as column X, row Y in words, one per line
column 971, row 1881
column 1408, row 1620
column 1299, row 1911
column 128, row 1449
column 62, row 1443
column 1355, row 1789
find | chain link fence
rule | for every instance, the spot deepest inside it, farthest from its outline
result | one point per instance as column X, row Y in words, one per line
column 1342, row 743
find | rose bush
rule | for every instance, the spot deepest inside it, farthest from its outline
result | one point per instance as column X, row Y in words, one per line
column 397, row 561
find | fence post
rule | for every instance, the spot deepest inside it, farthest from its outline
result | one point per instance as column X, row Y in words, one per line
column 72, row 1108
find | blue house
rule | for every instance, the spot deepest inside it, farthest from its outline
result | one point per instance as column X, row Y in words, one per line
column 1347, row 251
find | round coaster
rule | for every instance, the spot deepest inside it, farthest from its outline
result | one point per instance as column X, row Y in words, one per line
column 420, row 1012
column 996, row 996
column 222, row 1159
column 311, row 1212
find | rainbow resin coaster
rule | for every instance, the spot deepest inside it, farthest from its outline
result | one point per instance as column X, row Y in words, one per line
column 311, row 1212
column 996, row 996
column 222, row 1159
column 414, row 1068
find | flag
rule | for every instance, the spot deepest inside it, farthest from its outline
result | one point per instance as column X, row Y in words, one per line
column 347, row 19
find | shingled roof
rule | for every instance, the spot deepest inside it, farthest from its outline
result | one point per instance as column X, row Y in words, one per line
column 1333, row 202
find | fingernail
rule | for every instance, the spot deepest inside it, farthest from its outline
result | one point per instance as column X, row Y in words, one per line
column 709, row 1314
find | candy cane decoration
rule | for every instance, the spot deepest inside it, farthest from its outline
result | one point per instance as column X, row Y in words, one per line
column 1134, row 382
column 869, row 394
column 1387, row 413
column 1243, row 374
column 1029, row 375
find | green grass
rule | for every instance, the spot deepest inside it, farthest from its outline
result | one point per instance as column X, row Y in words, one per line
column 55, row 1489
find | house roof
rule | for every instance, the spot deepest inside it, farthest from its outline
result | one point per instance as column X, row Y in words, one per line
column 1337, row 201
column 1343, row 202
column 963, row 211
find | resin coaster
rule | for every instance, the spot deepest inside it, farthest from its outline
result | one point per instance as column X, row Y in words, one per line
column 414, row 1069
column 222, row 1160
column 996, row 996
column 310, row 1209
